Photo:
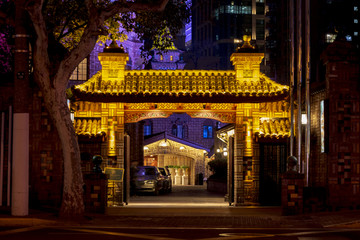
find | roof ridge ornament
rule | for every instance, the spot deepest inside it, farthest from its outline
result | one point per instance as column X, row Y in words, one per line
column 114, row 48
column 246, row 47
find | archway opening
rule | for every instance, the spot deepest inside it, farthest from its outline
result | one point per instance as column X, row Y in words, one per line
column 181, row 147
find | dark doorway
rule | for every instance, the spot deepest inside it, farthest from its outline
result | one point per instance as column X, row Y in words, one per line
column 272, row 163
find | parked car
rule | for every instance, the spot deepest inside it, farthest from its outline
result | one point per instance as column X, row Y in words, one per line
column 167, row 187
column 148, row 179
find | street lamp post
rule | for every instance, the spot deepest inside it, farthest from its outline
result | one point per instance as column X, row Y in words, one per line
column 20, row 166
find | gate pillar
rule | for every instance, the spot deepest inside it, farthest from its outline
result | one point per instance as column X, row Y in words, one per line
column 112, row 119
column 239, row 195
column 246, row 154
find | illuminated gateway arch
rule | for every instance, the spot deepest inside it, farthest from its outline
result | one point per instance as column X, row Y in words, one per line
column 256, row 106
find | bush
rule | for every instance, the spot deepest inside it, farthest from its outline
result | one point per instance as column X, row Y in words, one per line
column 218, row 167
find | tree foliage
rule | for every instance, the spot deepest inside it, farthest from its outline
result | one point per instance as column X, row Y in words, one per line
column 6, row 42
column 67, row 19
column 64, row 32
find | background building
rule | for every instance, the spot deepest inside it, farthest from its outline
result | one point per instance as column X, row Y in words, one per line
column 218, row 27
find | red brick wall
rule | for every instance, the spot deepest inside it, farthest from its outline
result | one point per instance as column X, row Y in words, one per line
column 344, row 133
column 46, row 165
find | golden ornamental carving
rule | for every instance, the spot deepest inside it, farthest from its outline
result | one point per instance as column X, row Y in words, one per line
column 193, row 106
column 135, row 117
column 167, row 106
column 139, row 106
column 222, row 117
column 222, row 106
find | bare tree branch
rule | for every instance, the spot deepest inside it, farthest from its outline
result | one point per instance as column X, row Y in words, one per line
column 41, row 57
column 87, row 43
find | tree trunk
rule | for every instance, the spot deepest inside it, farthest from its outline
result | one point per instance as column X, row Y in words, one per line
column 73, row 197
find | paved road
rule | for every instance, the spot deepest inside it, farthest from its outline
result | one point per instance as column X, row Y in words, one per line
column 187, row 213
column 94, row 233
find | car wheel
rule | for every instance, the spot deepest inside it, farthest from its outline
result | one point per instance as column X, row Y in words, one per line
column 156, row 192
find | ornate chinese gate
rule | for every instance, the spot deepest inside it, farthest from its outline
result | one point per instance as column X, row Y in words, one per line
column 245, row 97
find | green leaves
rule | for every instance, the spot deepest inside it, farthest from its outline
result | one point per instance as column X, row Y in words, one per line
column 67, row 19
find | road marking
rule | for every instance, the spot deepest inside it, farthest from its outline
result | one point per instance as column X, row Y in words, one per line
column 19, row 230
column 229, row 236
column 138, row 236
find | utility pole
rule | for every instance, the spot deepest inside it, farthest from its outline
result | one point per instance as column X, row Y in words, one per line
column 292, row 65
column 299, row 77
column 20, row 165
column 307, row 90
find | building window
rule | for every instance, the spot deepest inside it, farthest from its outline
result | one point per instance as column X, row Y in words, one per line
column 356, row 8
column 356, row 33
column 147, row 128
column 171, row 58
column 178, row 130
column 260, row 29
column 356, row 21
column 322, row 126
column 330, row 37
column 80, row 72
column 207, row 131
column 161, row 58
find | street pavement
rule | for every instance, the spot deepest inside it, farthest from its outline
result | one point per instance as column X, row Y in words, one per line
column 186, row 208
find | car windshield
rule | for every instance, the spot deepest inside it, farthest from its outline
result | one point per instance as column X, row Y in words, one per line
column 162, row 170
column 146, row 172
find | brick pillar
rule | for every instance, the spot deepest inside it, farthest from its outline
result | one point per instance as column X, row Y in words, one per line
column 95, row 192
column 292, row 188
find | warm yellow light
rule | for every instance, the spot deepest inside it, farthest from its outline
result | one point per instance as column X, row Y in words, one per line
column 218, row 150
column 224, row 149
column 146, row 148
column 225, row 154
column 303, row 118
column 182, row 148
column 164, row 144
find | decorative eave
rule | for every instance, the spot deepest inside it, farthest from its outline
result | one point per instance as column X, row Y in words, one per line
column 90, row 128
column 274, row 128
column 179, row 86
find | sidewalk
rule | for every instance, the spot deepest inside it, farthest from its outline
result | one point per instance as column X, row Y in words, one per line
column 232, row 217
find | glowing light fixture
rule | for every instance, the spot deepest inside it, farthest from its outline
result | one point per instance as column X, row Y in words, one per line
column 225, row 154
column 146, row 148
column 182, row 148
column 218, row 150
column 303, row 118
column 164, row 144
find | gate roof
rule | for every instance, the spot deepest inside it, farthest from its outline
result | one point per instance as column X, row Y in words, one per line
column 179, row 86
